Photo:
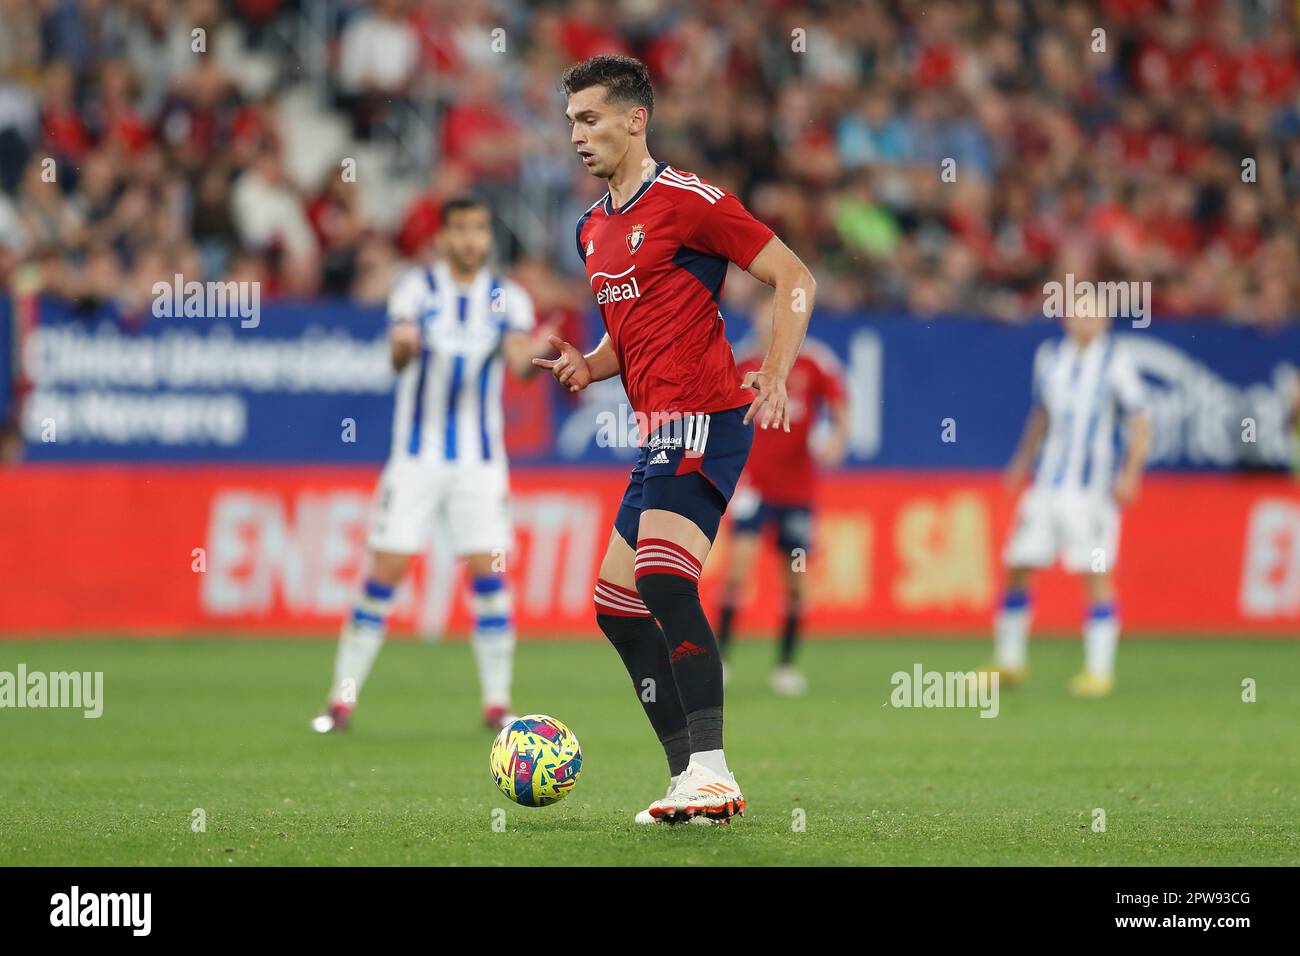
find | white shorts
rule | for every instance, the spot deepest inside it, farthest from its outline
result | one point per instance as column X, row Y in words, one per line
column 1080, row 529
column 471, row 501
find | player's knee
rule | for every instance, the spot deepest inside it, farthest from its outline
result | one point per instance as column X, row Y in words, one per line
column 665, row 573
column 1018, row 579
column 619, row 610
column 388, row 567
column 661, row 592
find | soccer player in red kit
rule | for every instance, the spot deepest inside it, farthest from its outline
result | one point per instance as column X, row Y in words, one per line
column 778, row 488
column 656, row 249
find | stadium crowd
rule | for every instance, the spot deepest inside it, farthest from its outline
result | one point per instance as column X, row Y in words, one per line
column 934, row 157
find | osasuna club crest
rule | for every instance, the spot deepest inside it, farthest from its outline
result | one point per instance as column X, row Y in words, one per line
column 636, row 237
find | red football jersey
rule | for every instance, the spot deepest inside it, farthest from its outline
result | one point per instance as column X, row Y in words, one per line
column 657, row 266
column 780, row 464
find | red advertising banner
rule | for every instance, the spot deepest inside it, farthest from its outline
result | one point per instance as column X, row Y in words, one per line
column 176, row 551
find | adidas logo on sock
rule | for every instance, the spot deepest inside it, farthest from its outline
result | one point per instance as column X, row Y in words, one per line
column 686, row 649
column 660, row 459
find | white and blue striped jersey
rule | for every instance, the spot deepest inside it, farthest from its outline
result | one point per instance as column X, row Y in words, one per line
column 448, row 403
column 1087, row 392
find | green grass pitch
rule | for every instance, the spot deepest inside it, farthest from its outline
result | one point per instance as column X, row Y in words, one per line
column 1186, row 772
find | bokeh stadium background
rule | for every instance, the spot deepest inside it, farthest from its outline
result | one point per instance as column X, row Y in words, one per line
column 190, row 475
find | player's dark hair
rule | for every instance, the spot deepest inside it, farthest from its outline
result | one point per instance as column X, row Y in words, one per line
column 625, row 79
column 461, row 203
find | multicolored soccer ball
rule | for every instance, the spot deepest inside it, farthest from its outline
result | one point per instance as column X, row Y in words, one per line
column 536, row 761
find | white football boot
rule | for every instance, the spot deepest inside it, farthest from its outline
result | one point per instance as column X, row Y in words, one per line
column 646, row 818
column 333, row 719
column 700, row 793
column 789, row 682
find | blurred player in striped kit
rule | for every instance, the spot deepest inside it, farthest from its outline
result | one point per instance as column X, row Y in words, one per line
column 453, row 328
column 1088, row 402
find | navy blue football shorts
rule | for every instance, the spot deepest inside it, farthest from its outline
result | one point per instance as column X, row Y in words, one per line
column 690, row 467
column 791, row 524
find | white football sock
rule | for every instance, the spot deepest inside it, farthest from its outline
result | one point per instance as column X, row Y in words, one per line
column 1011, row 631
column 713, row 761
column 358, row 648
column 493, row 640
column 359, row 643
column 1100, row 641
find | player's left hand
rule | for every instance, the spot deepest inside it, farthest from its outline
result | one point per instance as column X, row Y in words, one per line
column 1126, row 487
column 570, row 369
column 832, row 453
column 771, row 398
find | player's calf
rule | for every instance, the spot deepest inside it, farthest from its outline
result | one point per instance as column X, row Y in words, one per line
column 667, row 579
column 635, row 634
column 359, row 644
column 493, row 642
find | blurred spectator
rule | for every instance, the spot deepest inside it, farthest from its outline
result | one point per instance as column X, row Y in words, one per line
column 336, row 219
column 951, row 156
column 377, row 60
column 269, row 215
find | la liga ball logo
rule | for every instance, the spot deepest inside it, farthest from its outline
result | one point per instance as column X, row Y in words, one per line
column 636, row 237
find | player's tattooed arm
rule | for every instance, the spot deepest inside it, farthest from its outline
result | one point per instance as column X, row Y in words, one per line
column 577, row 371
column 1031, row 439
column 1129, row 477
column 403, row 343
column 792, row 306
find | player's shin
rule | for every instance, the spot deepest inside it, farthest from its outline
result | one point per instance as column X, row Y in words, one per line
column 727, row 615
column 790, row 631
column 1100, row 640
column 1011, row 630
column 667, row 578
column 359, row 642
column 493, row 639
column 635, row 634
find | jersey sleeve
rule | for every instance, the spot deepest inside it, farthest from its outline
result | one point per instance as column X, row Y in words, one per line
column 406, row 300
column 1042, row 366
column 723, row 227
column 520, row 315
column 1126, row 382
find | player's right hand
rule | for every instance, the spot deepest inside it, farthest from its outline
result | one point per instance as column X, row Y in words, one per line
column 1014, row 476
column 570, row 368
column 831, row 454
column 771, row 398
column 405, row 334
column 1127, row 484
column 403, row 343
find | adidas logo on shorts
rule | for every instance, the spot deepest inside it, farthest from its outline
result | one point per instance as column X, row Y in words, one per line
column 659, row 459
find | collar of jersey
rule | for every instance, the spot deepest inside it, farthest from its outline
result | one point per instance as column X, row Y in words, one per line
column 443, row 272
column 609, row 197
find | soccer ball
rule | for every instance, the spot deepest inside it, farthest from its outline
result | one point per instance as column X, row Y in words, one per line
column 536, row 760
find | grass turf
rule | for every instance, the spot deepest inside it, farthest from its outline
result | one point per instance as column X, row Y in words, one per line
column 1186, row 772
